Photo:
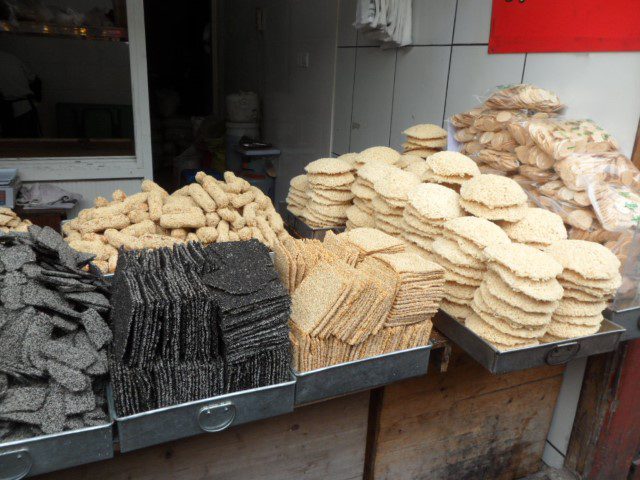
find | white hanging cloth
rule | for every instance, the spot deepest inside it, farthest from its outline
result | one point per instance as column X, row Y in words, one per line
column 387, row 21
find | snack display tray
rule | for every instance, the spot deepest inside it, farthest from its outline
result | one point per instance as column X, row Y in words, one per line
column 365, row 374
column 201, row 416
column 628, row 318
column 304, row 230
column 554, row 353
column 47, row 453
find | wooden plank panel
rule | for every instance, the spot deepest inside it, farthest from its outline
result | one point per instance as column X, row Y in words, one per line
column 466, row 423
column 325, row 440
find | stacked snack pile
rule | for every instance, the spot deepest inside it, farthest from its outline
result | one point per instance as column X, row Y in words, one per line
column 298, row 195
column 493, row 197
column 450, row 169
column 590, row 277
column 10, row 222
column 571, row 167
column 538, row 228
column 513, row 306
column 329, row 181
column 193, row 322
column 429, row 206
column 362, row 213
column 461, row 251
column 356, row 295
column 424, row 140
column 208, row 211
column 53, row 337
column 390, row 198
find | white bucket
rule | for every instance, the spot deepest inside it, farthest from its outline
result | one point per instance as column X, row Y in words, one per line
column 243, row 107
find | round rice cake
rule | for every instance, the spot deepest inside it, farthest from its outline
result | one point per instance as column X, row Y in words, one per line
column 433, row 143
column 567, row 330
column 406, row 160
column 605, row 285
column 539, row 226
column 496, row 306
column 547, row 291
column 547, row 338
column 371, row 172
column 329, row 166
column 480, row 231
column 396, row 184
column 450, row 276
column 587, row 259
column 524, row 261
column 391, row 219
column 297, row 211
column 361, row 191
column 322, row 200
column 449, row 182
column 434, row 201
column 452, row 165
column 360, row 218
column 418, row 226
column 495, row 336
column 586, row 320
column 425, row 131
column 459, row 291
column 335, row 211
column 352, row 158
column 387, row 227
column 447, row 265
column 334, row 195
column 422, row 152
column 337, row 180
column 380, row 205
column 299, row 182
column 384, row 154
column 575, row 308
column 505, row 326
column 493, row 191
column 507, row 214
column 419, row 169
column 457, row 311
column 579, row 295
column 451, row 252
column 593, row 292
column 364, row 205
column 499, row 289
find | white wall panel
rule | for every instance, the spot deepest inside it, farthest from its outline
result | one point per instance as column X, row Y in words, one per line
column 474, row 73
column 432, row 21
column 372, row 98
column 473, row 21
column 602, row 86
column 343, row 99
column 420, row 88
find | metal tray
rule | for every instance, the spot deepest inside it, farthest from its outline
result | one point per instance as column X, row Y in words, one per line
column 554, row 353
column 365, row 374
column 201, row 416
column 304, row 230
column 47, row 453
column 629, row 319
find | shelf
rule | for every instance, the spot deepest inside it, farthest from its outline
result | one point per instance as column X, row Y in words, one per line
column 113, row 34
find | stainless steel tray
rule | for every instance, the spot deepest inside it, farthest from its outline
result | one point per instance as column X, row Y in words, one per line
column 304, row 230
column 629, row 319
column 48, row 453
column 554, row 353
column 208, row 415
column 351, row 377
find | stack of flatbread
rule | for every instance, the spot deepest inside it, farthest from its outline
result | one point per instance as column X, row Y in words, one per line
column 513, row 306
column 407, row 160
column 362, row 213
column 391, row 198
column 493, row 197
column 429, row 206
column 460, row 252
column 590, row 277
column 384, row 155
column 538, row 228
column 424, row 140
column 330, row 181
column 298, row 196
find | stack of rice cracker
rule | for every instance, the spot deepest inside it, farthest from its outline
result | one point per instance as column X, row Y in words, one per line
column 516, row 299
column 590, row 277
column 461, row 252
column 424, row 140
column 350, row 307
column 298, row 196
column 493, row 197
column 330, row 181
column 362, row 213
column 391, row 197
column 429, row 206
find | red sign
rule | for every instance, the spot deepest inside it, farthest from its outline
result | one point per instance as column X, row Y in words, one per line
column 524, row 26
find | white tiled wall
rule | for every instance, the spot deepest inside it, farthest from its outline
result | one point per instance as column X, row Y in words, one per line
column 448, row 70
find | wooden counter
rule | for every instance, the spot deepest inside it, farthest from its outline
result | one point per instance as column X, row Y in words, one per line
column 460, row 424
